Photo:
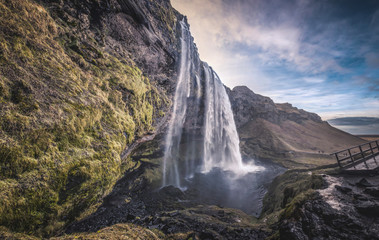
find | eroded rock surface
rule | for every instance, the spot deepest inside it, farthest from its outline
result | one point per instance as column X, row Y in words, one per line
column 347, row 209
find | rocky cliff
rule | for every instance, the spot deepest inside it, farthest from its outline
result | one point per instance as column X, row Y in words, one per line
column 283, row 133
column 249, row 106
column 80, row 83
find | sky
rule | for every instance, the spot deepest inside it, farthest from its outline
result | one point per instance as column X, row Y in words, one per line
column 319, row 55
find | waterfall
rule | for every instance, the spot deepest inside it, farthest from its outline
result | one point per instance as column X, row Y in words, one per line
column 171, row 174
column 221, row 142
column 219, row 146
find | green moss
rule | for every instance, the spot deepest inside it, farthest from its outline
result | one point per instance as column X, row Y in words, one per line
column 127, row 231
column 293, row 184
column 66, row 116
column 292, row 208
column 167, row 17
column 14, row 123
column 3, row 90
column 13, row 162
column 29, row 204
column 7, row 234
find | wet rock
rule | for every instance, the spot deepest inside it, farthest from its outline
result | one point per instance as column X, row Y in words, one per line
column 292, row 230
column 354, row 217
column 373, row 191
column 172, row 191
column 207, row 235
column 343, row 189
column 173, row 214
column 358, row 196
column 130, row 217
column 364, row 183
column 369, row 209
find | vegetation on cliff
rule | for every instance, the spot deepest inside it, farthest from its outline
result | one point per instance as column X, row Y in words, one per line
column 287, row 191
column 69, row 107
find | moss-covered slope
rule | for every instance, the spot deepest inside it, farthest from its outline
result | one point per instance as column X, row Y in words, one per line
column 69, row 105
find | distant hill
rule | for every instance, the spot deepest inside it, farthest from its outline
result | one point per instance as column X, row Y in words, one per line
column 357, row 125
column 368, row 137
column 288, row 135
column 357, row 121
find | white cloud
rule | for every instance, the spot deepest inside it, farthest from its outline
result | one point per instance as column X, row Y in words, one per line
column 216, row 27
column 314, row 80
column 243, row 48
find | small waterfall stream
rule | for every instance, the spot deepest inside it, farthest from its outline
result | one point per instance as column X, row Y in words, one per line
column 171, row 175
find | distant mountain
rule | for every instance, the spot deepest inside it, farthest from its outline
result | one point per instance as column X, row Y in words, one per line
column 286, row 134
column 354, row 121
column 357, row 125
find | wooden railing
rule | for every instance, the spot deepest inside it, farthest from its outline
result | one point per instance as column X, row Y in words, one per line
column 353, row 156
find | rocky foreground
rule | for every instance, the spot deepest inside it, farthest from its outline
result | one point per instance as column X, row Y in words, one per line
column 348, row 208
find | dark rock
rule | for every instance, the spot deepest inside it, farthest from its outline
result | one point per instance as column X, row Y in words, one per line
column 369, row 209
column 358, row 196
column 130, row 217
column 316, row 219
column 173, row 214
column 373, row 191
column 172, row 192
column 221, row 213
column 208, row 235
column 343, row 189
column 248, row 106
column 292, row 230
column 364, row 183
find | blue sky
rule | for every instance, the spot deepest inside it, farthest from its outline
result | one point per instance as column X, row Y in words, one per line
column 319, row 55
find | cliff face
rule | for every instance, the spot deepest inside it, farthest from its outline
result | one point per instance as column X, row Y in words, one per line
column 285, row 134
column 80, row 82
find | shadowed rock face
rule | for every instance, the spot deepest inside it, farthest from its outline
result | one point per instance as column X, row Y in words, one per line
column 140, row 30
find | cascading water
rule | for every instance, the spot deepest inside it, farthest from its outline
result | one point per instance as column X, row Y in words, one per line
column 171, row 175
column 202, row 152
column 191, row 150
column 220, row 142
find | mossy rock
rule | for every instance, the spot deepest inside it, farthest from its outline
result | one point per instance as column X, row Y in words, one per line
column 287, row 190
column 68, row 110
